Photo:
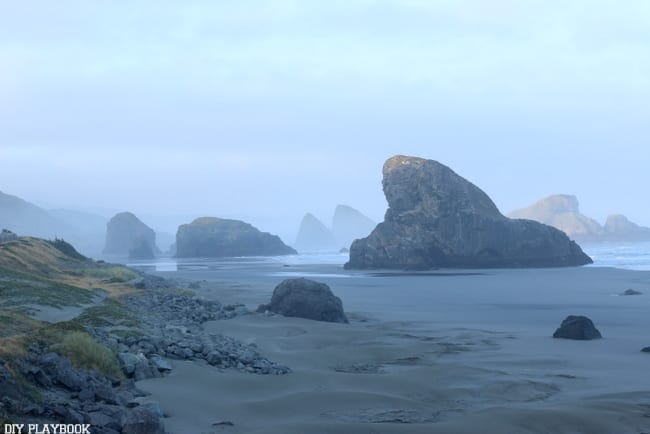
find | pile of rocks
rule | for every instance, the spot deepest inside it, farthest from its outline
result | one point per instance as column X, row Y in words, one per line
column 142, row 357
column 171, row 326
column 78, row 396
column 180, row 308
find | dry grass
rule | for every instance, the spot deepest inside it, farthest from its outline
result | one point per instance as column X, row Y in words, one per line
column 41, row 260
column 85, row 352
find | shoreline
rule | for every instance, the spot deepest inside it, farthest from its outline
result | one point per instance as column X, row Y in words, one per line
column 368, row 376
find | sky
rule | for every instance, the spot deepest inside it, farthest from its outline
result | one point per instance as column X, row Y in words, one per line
column 265, row 110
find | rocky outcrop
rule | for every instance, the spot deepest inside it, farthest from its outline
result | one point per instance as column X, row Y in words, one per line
column 436, row 218
column 216, row 237
column 562, row 211
column 304, row 298
column 349, row 224
column 631, row 292
column 51, row 388
column 126, row 235
column 577, row 327
column 314, row 236
column 620, row 228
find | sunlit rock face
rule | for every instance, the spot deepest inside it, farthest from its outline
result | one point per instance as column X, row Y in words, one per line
column 210, row 237
column 127, row 235
column 436, row 218
column 562, row 211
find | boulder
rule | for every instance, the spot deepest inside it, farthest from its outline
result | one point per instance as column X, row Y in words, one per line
column 304, row 298
column 645, row 350
column 577, row 327
column 313, row 236
column 126, row 234
column 216, row 237
column 436, row 218
column 631, row 292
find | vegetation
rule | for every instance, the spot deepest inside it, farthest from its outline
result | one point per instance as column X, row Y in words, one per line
column 109, row 312
column 85, row 352
column 67, row 249
column 114, row 274
column 19, row 289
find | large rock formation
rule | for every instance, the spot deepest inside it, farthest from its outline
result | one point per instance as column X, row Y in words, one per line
column 313, row 236
column 216, row 237
column 619, row 228
column 349, row 224
column 436, row 218
column 562, row 211
column 127, row 235
column 304, row 298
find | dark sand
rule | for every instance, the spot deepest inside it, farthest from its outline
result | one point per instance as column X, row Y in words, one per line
column 458, row 353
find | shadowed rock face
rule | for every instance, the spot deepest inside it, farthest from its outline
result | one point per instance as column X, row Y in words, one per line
column 214, row 237
column 126, row 234
column 577, row 327
column 436, row 218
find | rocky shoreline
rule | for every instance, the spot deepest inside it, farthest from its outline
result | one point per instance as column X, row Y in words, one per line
column 142, row 330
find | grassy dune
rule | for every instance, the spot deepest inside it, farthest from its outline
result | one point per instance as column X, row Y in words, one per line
column 36, row 272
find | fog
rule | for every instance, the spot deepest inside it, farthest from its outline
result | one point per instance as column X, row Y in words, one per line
column 264, row 111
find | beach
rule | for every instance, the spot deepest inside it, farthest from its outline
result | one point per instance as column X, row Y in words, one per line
column 445, row 351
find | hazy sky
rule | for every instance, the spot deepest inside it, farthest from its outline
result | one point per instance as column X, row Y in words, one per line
column 265, row 110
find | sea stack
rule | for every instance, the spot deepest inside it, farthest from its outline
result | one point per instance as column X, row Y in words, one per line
column 212, row 237
column 127, row 235
column 436, row 218
column 314, row 236
column 562, row 211
column 349, row 224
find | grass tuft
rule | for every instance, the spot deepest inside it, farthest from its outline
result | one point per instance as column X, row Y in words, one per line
column 85, row 352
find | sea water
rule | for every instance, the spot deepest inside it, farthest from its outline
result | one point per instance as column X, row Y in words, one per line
column 629, row 256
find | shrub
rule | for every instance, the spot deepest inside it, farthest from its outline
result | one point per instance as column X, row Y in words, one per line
column 85, row 352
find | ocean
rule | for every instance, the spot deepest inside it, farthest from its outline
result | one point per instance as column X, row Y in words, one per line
column 627, row 256
column 630, row 256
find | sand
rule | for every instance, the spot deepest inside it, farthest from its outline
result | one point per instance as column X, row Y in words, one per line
column 427, row 354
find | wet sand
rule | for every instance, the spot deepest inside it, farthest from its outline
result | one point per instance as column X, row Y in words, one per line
column 468, row 353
